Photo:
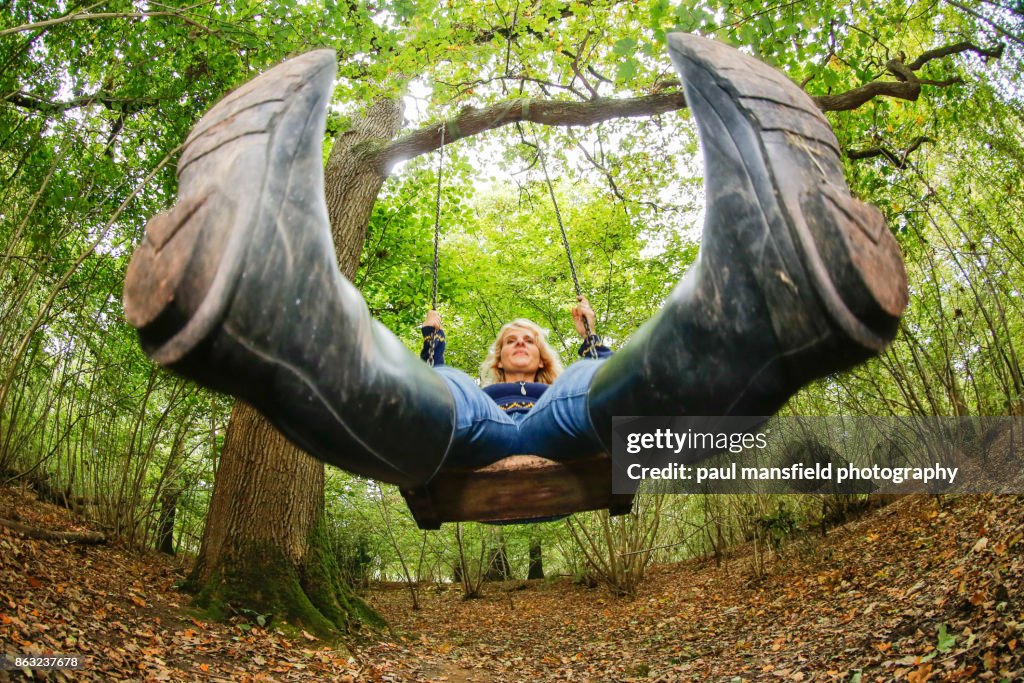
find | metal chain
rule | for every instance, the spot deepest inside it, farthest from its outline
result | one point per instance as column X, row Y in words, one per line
column 437, row 239
column 437, row 216
column 592, row 350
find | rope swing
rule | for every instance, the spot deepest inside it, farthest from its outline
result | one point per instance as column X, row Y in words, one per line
column 437, row 216
column 591, row 349
column 437, row 240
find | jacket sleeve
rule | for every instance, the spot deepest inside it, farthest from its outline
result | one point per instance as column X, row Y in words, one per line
column 594, row 342
column 437, row 335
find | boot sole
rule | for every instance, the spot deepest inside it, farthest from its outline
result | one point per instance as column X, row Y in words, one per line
column 850, row 258
column 181, row 278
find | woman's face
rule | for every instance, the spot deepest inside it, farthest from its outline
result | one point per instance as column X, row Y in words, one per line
column 519, row 352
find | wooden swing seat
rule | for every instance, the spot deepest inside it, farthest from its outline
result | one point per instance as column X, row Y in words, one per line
column 517, row 489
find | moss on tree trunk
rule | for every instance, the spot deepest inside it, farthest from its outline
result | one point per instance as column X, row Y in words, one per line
column 323, row 583
column 262, row 584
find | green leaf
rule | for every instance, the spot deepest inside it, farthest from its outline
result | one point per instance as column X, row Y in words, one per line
column 626, row 70
column 946, row 641
column 625, row 46
column 659, row 9
column 405, row 9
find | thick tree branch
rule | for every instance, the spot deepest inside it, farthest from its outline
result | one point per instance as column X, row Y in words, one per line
column 124, row 104
column 897, row 160
column 955, row 49
column 908, row 85
column 851, row 99
column 547, row 112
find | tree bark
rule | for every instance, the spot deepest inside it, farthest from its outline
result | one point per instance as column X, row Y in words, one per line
column 262, row 548
column 259, row 470
column 536, row 566
column 354, row 176
column 165, row 527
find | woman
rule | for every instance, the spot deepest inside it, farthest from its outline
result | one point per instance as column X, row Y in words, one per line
column 521, row 408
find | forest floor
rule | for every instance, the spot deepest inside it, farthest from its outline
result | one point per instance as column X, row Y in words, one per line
column 922, row 590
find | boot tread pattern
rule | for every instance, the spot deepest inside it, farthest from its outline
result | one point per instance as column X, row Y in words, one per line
column 768, row 84
column 784, row 117
column 779, row 104
column 219, row 115
column 242, row 117
column 251, row 109
column 290, row 74
column 220, row 136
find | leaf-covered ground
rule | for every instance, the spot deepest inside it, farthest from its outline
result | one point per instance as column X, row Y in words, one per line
column 918, row 592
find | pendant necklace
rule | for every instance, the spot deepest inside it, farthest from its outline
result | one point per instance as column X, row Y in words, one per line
column 522, row 388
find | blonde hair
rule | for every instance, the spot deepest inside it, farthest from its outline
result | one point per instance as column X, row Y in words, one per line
column 490, row 373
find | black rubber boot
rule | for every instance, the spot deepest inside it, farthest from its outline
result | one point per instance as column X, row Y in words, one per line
column 795, row 279
column 238, row 288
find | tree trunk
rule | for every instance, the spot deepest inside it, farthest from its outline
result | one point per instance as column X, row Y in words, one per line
column 165, row 528
column 354, row 176
column 536, row 566
column 263, row 549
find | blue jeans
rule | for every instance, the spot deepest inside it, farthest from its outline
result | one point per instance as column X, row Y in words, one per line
column 558, row 427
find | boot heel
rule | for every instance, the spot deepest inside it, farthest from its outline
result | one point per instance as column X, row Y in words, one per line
column 158, row 265
column 171, row 276
column 855, row 264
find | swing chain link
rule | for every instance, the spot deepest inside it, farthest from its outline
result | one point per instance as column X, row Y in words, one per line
column 437, row 239
column 437, row 216
column 592, row 348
